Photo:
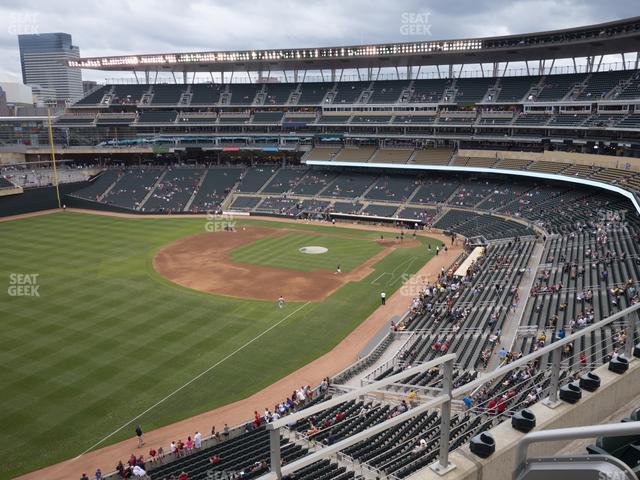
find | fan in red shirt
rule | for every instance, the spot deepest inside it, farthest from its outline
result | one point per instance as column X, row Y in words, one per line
column 183, row 476
column 492, row 407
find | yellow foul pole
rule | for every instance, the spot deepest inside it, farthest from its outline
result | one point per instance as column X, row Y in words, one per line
column 53, row 158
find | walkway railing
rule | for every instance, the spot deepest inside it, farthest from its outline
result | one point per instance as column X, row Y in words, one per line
column 447, row 395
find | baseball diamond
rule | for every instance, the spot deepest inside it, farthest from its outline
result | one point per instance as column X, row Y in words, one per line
column 135, row 272
column 304, row 257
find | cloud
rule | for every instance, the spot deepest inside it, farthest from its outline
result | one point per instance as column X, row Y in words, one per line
column 153, row 26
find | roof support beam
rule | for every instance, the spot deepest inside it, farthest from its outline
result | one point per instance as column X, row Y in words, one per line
column 624, row 62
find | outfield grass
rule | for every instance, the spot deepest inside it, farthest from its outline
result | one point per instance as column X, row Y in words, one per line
column 108, row 337
column 284, row 252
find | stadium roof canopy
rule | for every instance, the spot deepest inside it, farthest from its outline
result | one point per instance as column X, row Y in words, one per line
column 590, row 41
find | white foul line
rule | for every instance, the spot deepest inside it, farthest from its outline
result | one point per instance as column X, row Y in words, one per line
column 194, row 379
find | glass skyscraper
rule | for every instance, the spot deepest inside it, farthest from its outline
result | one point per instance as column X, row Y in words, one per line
column 43, row 58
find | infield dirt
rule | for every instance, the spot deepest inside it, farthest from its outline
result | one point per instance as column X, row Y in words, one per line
column 201, row 262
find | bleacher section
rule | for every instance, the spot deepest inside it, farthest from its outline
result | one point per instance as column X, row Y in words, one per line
column 428, row 91
column 556, row 87
column 243, row 93
column 350, row 185
column 313, row 93
column 514, row 89
column 284, row 180
column 472, row 90
column 245, row 203
column 349, row 92
column 214, row 189
column 174, row 190
column 128, row 94
column 278, row 94
column 132, row 187
column 205, row 94
column 631, row 89
column 471, row 224
column 393, row 188
column 600, row 85
column 255, row 177
column 95, row 97
column 610, row 85
column 167, row 94
column 248, row 452
column 387, row 91
column 99, row 185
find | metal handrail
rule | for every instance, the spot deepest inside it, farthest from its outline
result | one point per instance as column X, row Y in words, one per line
column 590, row 431
column 525, row 360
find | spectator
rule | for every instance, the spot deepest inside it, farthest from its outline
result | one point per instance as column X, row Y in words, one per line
column 139, row 435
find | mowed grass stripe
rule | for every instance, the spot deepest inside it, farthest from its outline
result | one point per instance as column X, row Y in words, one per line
column 283, row 252
column 108, row 336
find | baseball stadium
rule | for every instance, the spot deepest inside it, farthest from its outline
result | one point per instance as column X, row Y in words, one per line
column 412, row 260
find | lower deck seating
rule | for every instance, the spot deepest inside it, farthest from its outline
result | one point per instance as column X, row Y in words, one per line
column 471, row 224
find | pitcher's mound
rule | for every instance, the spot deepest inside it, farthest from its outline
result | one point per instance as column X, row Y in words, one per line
column 313, row 250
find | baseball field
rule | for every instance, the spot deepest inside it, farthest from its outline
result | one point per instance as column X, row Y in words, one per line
column 104, row 318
